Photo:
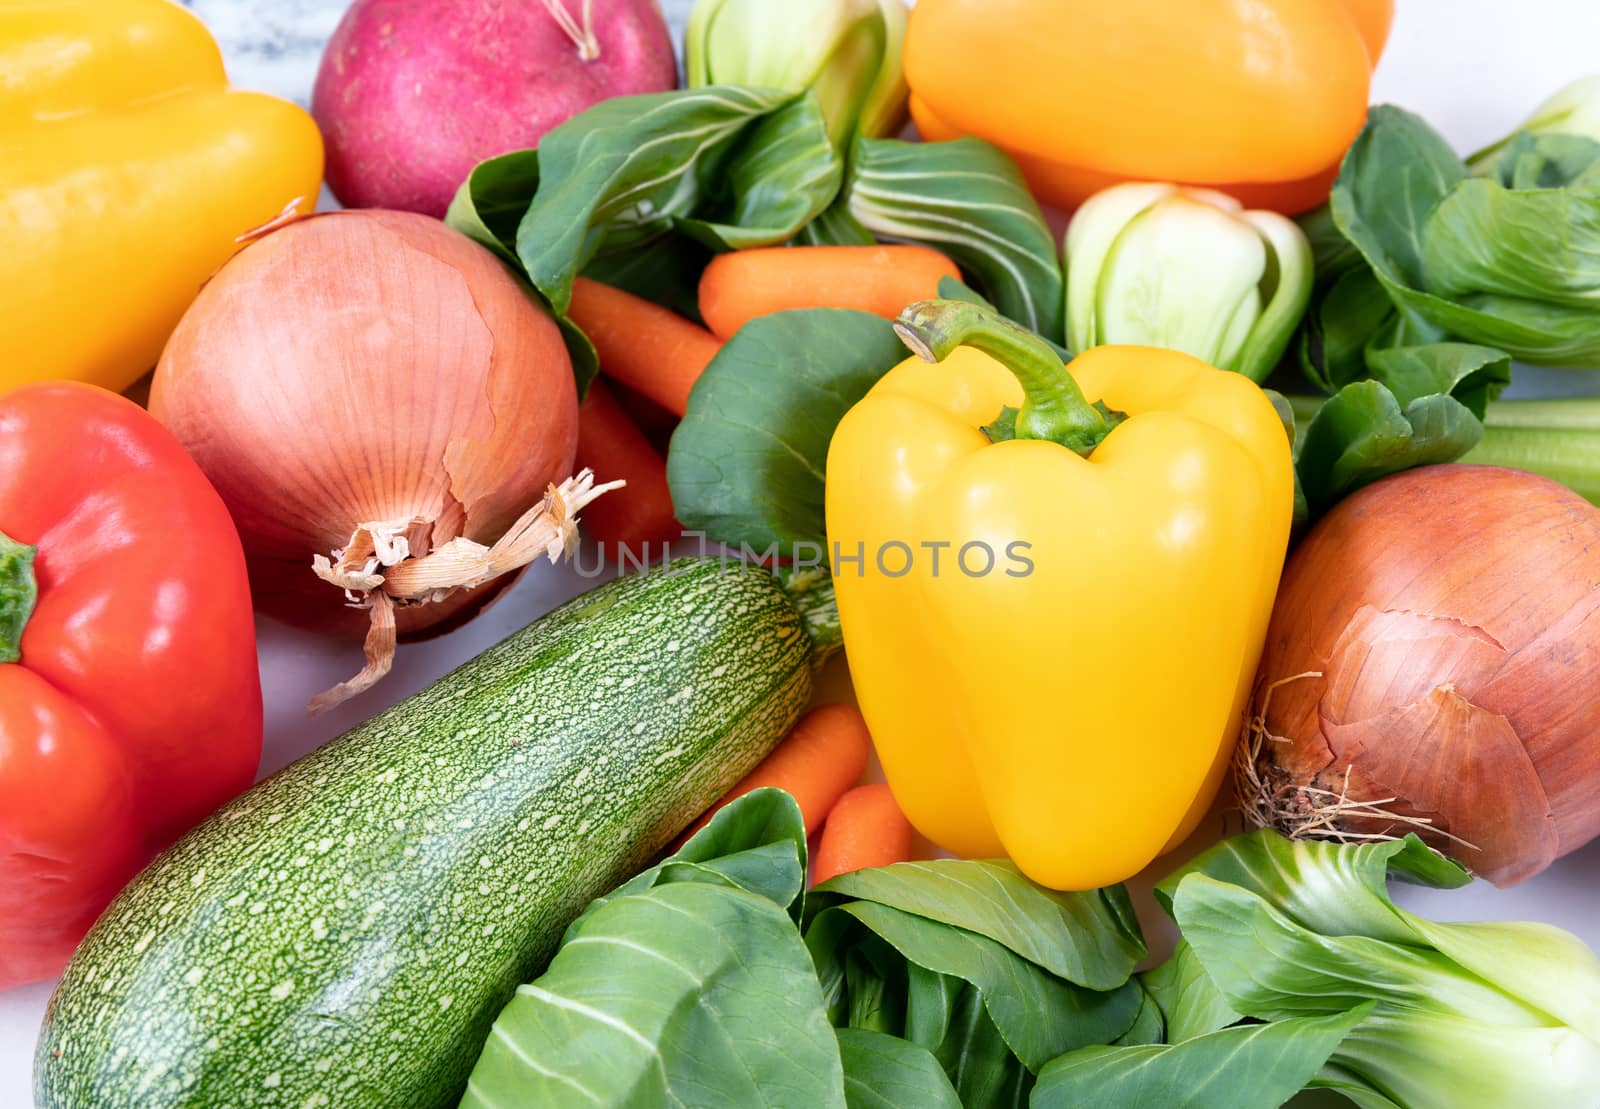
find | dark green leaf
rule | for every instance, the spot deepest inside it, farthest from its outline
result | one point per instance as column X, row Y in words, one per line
column 883, row 1072
column 1510, row 260
column 1257, row 1066
column 665, row 271
column 875, row 983
column 1090, row 938
column 1038, row 1015
column 488, row 208
column 748, row 461
column 1331, row 252
column 835, row 227
column 1473, row 375
column 930, row 1003
column 969, row 200
column 1149, row 1027
column 1363, row 434
column 686, row 994
column 783, row 175
column 975, row 1056
column 757, row 842
column 1191, row 1004
column 492, row 200
column 623, row 171
column 1342, row 324
column 1396, row 173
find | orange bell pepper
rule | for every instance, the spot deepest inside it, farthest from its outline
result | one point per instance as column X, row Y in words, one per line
column 1091, row 93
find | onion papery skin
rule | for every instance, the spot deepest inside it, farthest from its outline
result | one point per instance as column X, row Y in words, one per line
column 1449, row 619
column 367, row 366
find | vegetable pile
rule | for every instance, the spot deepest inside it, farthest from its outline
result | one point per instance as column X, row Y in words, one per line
column 1184, row 501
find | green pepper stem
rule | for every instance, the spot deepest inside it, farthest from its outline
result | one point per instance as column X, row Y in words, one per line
column 1053, row 407
column 19, row 590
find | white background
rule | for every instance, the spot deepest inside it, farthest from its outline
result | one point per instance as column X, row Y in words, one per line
column 1474, row 68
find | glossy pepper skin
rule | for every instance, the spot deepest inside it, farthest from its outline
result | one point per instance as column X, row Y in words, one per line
column 1258, row 98
column 1077, row 713
column 130, row 700
column 128, row 169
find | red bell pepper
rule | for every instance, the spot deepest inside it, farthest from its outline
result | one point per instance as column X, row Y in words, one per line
column 130, row 701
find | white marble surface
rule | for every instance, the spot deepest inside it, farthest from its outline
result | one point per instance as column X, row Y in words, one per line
column 1474, row 67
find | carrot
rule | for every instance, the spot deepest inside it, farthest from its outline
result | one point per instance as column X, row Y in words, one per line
column 649, row 417
column 824, row 755
column 641, row 344
column 640, row 513
column 738, row 287
column 865, row 828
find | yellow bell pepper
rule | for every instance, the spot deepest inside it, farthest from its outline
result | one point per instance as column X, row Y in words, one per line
column 128, row 170
column 1052, row 635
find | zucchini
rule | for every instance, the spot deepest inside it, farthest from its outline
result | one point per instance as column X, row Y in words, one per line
column 345, row 933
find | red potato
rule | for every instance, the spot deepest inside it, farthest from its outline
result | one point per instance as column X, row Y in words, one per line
column 411, row 94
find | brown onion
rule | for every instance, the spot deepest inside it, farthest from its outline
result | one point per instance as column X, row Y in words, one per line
column 376, row 391
column 1433, row 666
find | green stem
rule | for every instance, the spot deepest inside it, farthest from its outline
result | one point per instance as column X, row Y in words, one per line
column 1053, row 408
column 19, row 590
column 1557, row 438
column 811, row 590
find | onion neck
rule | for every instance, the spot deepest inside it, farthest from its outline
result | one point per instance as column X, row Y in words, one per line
column 1053, row 408
column 19, row 591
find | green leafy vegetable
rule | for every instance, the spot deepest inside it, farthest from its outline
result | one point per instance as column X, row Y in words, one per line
column 846, row 52
column 1251, row 1066
column 666, row 270
column 998, row 975
column 1506, row 258
column 687, row 985
column 969, row 200
column 1419, row 405
column 1089, row 938
column 493, row 199
column 1191, row 1005
column 886, row 1072
column 1038, row 1015
column 758, row 845
column 1286, row 930
column 735, row 166
column 1149, row 1027
column 747, row 463
column 1160, row 265
column 686, row 993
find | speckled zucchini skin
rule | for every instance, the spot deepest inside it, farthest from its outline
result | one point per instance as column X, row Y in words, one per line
column 344, row 934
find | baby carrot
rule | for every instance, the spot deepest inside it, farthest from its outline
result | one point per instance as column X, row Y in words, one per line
column 865, row 828
column 740, row 286
column 641, row 344
column 817, row 761
column 641, row 512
